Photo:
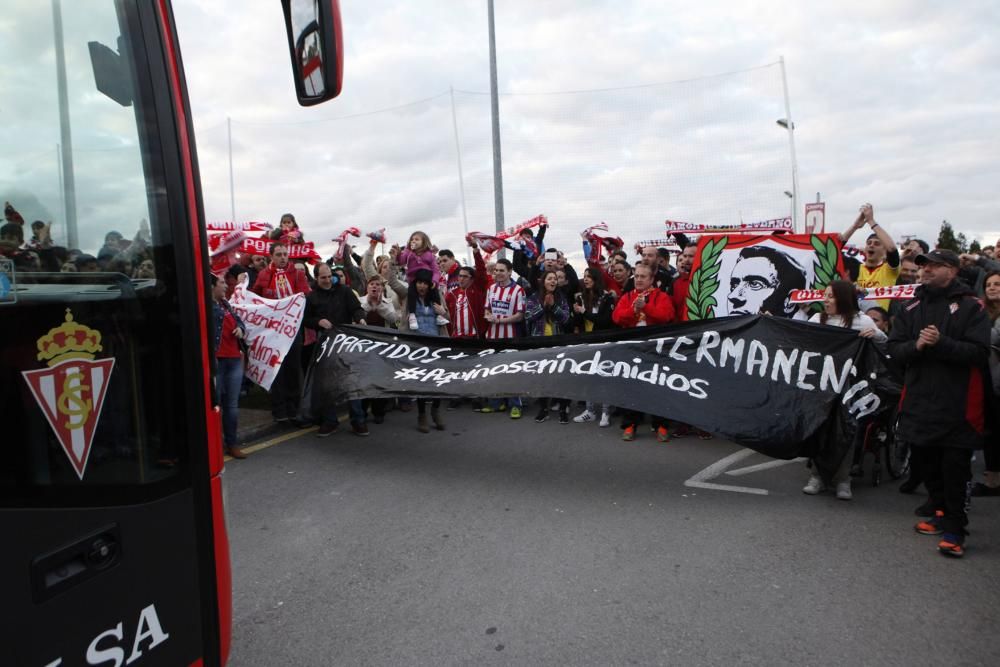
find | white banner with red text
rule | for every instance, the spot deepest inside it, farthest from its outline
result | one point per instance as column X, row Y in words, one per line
column 272, row 325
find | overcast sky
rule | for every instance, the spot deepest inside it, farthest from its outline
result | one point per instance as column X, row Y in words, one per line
column 894, row 102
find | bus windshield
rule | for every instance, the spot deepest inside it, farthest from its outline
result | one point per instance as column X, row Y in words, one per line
column 93, row 370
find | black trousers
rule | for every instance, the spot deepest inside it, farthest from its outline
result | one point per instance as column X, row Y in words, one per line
column 947, row 473
column 422, row 404
column 633, row 418
column 286, row 390
column 560, row 403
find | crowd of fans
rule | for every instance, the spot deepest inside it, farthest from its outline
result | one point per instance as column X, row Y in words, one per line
column 942, row 344
column 32, row 249
column 421, row 288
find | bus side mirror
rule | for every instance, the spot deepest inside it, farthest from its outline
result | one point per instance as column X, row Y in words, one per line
column 316, row 45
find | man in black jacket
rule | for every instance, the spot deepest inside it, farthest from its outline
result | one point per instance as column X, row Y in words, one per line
column 942, row 340
column 333, row 302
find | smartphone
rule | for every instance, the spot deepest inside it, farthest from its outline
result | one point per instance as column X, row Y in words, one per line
column 579, row 299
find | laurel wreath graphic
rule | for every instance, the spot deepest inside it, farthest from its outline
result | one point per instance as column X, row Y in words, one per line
column 825, row 266
column 701, row 301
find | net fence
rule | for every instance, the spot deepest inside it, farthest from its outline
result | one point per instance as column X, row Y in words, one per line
column 705, row 150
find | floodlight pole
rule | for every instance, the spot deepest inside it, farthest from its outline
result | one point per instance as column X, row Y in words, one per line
column 495, row 115
column 65, row 135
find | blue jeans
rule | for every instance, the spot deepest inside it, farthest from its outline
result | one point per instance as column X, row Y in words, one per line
column 228, row 380
column 355, row 408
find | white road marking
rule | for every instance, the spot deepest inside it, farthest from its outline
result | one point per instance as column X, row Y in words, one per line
column 764, row 466
column 698, row 481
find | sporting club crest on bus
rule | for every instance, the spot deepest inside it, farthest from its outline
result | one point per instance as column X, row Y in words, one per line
column 71, row 390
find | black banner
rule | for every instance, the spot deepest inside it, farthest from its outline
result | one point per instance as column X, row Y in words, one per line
column 783, row 388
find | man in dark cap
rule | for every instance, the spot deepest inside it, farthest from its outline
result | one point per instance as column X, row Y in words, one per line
column 942, row 340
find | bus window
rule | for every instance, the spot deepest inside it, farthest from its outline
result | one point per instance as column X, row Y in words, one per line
column 92, row 374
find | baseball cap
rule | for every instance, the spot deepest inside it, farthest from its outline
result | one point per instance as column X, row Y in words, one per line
column 940, row 256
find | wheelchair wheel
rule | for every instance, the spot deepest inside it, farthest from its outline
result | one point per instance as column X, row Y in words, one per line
column 897, row 458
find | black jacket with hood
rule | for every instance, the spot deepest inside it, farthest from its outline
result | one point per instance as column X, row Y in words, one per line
column 943, row 401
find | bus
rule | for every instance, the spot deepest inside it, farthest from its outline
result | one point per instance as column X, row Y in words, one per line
column 115, row 549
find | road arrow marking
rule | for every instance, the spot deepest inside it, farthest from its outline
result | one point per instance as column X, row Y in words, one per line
column 764, row 466
column 717, row 468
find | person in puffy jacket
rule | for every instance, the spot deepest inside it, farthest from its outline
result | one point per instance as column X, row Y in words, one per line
column 942, row 340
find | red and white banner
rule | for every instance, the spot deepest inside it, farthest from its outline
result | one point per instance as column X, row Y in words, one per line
column 272, row 325
column 238, row 227
column 341, row 241
column 852, row 251
column 869, row 294
column 487, row 244
column 297, row 251
column 511, row 232
column 670, row 244
column 776, row 225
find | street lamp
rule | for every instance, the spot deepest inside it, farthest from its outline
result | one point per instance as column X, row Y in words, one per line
column 790, row 126
column 787, row 124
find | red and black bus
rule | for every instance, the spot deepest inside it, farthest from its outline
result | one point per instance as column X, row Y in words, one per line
column 111, row 478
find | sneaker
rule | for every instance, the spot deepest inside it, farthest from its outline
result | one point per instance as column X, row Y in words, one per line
column 605, row 420
column 585, row 416
column 543, row 415
column 952, row 544
column 813, row 486
column 412, row 320
column 929, row 508
column 359, row 429
column 662, row 435
column 931, row 526
column 628, row 435
column 441, row 320
column 844, row 490
column 486, row 409
column 281, row 420
column 682, row 430
column 515, row 413
column 705, row 435
column 563, row 416
column 326, row 429
column 503, row 408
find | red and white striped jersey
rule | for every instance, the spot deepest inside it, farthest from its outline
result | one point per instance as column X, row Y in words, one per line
column 504, row 302
column 464, row 323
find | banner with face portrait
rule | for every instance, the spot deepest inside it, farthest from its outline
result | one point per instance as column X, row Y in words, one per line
column 736, row 274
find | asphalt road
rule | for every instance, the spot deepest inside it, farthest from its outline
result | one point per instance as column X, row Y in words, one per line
column 515, row 543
